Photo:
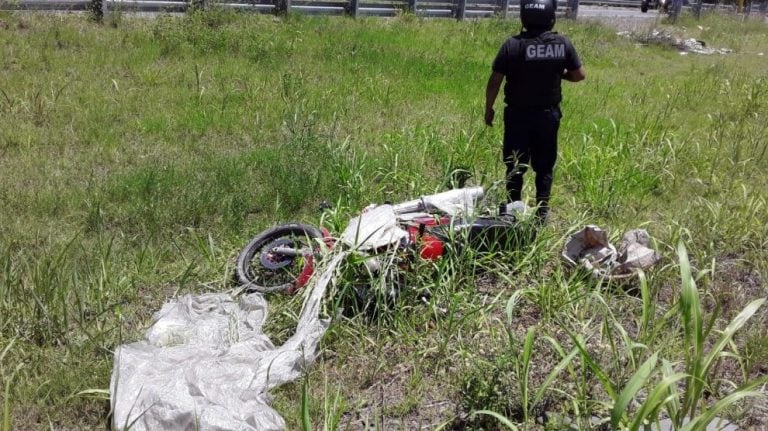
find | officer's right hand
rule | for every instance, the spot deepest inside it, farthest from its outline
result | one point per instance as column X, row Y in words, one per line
column 489, row 114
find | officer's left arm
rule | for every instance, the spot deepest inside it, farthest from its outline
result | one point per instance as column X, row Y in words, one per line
column 491, row 91
column 574, row 70
column 575, row 75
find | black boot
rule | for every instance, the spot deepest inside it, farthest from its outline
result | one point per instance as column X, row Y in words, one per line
column 541, row 213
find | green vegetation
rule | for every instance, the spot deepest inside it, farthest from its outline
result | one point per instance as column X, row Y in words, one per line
column 138, row 156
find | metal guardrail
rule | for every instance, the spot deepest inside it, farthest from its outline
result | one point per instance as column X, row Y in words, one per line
column 615, row 3
column 459, row 9
column 74, row 5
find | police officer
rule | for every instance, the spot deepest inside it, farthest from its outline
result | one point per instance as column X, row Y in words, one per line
column 533, row 63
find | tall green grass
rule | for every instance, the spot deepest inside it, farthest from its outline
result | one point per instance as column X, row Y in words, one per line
column 138, row 157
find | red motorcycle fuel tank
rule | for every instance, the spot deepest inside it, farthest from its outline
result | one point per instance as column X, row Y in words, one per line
column 430, row 246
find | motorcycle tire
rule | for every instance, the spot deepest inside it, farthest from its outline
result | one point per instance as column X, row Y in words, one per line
column 644, row 7
column 260, row 270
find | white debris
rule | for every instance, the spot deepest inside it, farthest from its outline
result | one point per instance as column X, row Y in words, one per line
column 699, row 47
column 375, row 228
column 590, row 249
column 207, row 364
column 685, row 46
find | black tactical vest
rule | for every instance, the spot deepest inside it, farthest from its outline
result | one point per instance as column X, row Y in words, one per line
column 534, row 70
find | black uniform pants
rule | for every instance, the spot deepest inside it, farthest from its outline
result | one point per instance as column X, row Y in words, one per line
column 530, row 139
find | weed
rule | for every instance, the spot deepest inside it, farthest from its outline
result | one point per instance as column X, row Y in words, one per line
column 138, row 159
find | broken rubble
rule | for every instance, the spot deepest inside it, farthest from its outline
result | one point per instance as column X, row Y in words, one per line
column 589, row 248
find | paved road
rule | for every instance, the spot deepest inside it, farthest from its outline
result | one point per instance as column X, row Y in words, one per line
column 633, row 14
column 619, row 17
column 619, row 12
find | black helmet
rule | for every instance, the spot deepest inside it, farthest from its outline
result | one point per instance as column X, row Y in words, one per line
column 538, row 14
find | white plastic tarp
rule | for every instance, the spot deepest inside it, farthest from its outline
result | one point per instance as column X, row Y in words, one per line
column 206, row 363
column 455, row 203
column 378, row 225
column 375, row 228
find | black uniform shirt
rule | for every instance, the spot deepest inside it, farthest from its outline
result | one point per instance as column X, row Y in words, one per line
column 533, row 65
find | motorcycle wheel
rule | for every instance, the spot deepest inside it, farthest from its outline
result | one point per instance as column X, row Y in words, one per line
column 260, row 269
column 643, row 7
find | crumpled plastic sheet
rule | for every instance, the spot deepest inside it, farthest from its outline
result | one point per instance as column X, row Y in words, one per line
column 591, row 249
column 456, row 202
column 378, row 227
column 375, row 228
column 206, row 363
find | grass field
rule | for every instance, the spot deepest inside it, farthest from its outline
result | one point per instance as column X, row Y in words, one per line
column 138, row 156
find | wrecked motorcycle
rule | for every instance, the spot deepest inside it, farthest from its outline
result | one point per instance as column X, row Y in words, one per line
column 283, row 258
